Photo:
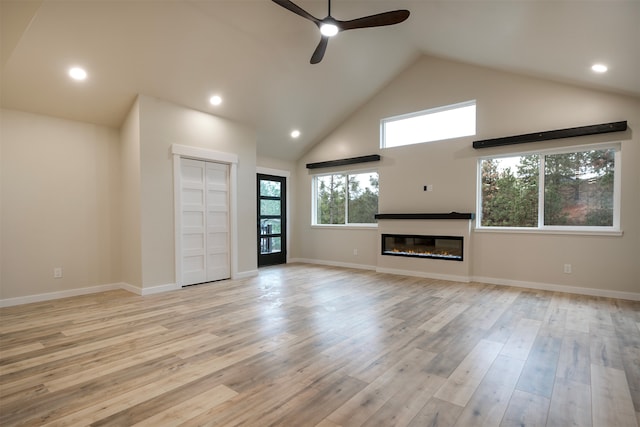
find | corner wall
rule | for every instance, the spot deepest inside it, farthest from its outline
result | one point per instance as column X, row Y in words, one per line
column 507, row 104
column 130, row 249
column 60, row 195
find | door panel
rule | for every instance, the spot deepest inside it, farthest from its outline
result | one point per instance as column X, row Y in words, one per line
column 271, row 231
column 204, row 193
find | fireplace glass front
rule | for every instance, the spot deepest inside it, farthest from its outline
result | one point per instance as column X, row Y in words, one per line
column 439, row 247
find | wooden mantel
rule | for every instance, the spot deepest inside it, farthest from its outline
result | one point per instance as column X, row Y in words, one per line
column 450, row 215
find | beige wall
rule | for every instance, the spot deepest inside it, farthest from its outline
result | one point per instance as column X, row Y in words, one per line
column 161, row 125
column 99, row 203
column 130, row 250
column 60, row 182
column 507, row 104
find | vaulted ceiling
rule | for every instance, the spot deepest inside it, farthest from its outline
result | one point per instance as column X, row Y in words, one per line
column 255, row 54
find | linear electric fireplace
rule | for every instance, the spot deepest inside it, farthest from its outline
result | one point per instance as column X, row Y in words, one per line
column 439, row 247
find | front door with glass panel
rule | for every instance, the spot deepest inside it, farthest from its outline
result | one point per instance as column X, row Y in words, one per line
column 272, row 248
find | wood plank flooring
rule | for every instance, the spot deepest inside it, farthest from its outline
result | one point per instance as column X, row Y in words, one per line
column 307, row 345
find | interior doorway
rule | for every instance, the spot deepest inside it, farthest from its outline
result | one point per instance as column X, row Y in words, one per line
column 272, row 219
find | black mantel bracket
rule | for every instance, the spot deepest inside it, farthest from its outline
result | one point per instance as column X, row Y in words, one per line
column 450, row 215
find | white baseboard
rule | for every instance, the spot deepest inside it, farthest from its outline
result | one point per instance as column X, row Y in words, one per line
column 245, row 274
column 607, row 293
column 133, row 289
column 412, row 273
column 8, row 302
column 334, row 263
column 632, row 296
column 159, row 289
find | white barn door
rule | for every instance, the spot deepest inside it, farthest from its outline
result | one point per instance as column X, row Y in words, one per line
column 204, row 233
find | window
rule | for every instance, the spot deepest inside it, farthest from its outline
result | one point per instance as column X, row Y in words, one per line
column 568, row 190
column 345, row 198
column 450, row 121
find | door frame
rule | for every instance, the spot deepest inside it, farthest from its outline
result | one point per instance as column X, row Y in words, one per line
column 286, row 175
column 184, row 151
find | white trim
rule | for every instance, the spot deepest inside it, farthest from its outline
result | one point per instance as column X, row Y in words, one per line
column 133, row 289
column 334, row 263
column 177, row 218
column 8, row 302
column 185, row 151
column 349, row 226
column 159, row 289
column 607, row 293
column 573, row 232
column 274, row 172
column 203, row 154
column 632, row 296
column 244, row 274
column 28, row 299
column 233, row 217
column 426, row 275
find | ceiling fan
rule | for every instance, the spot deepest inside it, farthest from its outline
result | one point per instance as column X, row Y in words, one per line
column 330, row 26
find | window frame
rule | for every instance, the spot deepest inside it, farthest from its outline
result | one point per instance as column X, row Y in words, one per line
column 314, row 199
column 427, row 112
column 613, row 230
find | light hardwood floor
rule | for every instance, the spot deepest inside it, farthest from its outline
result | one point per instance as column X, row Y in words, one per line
column 305, row 345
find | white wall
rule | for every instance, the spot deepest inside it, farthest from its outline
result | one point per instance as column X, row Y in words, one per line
column 60, row 183
column 161, row 125
column 507, row 104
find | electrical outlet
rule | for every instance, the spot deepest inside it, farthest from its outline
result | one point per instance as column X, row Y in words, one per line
column 57, row 273
column 428, row 187
column 355, row 252
column 567, row 268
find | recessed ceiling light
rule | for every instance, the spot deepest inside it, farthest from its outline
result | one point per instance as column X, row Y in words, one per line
column 215, row 100
column 77, row 73
column 295, row 134
column 599, row 68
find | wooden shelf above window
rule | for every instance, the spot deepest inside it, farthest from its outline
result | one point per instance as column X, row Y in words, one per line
column 552, row 134
column 342, row 162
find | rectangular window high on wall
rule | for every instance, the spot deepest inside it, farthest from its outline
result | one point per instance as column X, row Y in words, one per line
column 345, row 198
column 436, row 124
column 572, row 189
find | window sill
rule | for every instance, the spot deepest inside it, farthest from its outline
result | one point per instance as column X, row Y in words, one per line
column 346, row 227
column 577, row 232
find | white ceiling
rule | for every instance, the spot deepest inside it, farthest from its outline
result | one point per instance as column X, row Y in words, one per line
column 256, row 55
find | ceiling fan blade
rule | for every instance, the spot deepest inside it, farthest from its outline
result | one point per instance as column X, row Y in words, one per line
column 318, row 54
column 378, row 20
column 289, row 5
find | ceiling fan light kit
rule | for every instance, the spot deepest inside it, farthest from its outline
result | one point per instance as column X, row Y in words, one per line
column 329, row 26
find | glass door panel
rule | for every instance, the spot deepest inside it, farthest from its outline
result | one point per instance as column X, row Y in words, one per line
column 271, row 220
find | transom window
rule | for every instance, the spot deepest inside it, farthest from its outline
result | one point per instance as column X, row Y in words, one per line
column 449, row 121
column 345, row 198
column 567, row 190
